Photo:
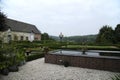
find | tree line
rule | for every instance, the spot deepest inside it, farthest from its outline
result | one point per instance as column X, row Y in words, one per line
column 2, row 21
column 107, row 35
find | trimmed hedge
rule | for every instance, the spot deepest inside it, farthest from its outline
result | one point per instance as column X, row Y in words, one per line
column 34, row 56
column 118, row 45
column 92, row 48
column 109, row 54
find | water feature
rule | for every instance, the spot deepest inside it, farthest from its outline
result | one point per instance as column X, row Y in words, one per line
column 88, row 53
column 93, row 59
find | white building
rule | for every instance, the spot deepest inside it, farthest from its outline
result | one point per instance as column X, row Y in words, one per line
column 19, row 31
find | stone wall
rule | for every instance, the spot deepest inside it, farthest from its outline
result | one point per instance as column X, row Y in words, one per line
column 100, row 63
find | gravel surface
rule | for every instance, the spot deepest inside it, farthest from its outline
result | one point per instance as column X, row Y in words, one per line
column 38, row 70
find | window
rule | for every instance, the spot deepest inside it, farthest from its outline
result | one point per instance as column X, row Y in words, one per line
column 21, row 38
column 9, row 38
column 15, row 38
column 27, row 38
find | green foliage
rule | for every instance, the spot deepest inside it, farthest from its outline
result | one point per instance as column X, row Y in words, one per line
column 20, row 55
column 77, row 39
column 81, row 39
column 4, row 57
column 2, row 21
column 116, row 77
column 117, row 33
column 118, row 45
column 3, row 61
column 80, row 47
column 10, row 55
column 52, row 45
column 45, row 36
column 34, row 56
column 106, row 35
column 27, row 44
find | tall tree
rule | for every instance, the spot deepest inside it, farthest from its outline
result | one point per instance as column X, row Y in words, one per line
column 117, row 33
column 2, row 18
column 106, row 35
column 2, row 21
column 45, row 36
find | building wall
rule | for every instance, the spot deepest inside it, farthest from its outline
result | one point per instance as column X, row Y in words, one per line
column 37, row 37
column 19, row 36
column 4, row 36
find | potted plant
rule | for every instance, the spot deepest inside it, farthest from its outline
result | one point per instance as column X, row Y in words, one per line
column 12, row 66
column 66, row 63
column 4, row 62
column 4, row 68
column 20, row 57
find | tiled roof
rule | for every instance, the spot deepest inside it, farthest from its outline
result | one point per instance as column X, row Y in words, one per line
column 21, row 26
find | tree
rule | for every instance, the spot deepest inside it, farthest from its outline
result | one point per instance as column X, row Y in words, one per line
column 117, row 33
column 45, row 36
column 2, row 18
column 2, row 21
column 105, row 35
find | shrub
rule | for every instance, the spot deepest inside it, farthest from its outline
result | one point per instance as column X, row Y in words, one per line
column 10, row 55
column 78, row 47
column 109, row 54
column 34, row 56
column 66, row 64
column 5, row 57
column 118, row 45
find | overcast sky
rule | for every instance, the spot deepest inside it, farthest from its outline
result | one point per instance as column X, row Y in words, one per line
column 71, row 17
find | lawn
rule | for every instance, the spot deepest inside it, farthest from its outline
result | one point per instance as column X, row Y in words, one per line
column 93, row 47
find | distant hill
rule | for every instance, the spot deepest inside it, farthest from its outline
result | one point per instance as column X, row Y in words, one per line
column 55, row 38
column 85, row 38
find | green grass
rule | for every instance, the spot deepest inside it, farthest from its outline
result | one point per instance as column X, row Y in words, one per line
column 80, row 46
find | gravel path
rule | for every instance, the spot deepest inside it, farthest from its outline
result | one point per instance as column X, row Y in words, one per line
column 38, row 70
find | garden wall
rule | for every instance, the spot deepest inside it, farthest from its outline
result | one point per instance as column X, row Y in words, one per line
column 100, row 63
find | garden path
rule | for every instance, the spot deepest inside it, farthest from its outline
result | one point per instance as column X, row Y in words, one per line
column 38, row 70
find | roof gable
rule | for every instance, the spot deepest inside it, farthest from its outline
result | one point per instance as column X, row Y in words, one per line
column 21, row 26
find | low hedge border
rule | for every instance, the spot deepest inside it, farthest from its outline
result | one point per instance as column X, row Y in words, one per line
column 34, row 56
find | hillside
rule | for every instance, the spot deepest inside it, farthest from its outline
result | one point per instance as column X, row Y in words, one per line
column 85, row 38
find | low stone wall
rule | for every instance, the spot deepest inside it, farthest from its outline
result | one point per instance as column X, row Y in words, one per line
column 100, row 63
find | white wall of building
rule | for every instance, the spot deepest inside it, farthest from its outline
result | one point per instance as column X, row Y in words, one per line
column 31, row 37
column 26, row 36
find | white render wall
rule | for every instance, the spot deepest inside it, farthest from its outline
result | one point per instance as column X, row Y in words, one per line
column 19, row 34
column 4, row 36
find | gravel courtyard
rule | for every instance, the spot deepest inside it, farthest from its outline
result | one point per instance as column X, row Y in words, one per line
column 38, row 70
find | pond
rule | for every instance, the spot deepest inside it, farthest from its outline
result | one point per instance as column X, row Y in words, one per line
column 93, row 59
column 88, row 53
